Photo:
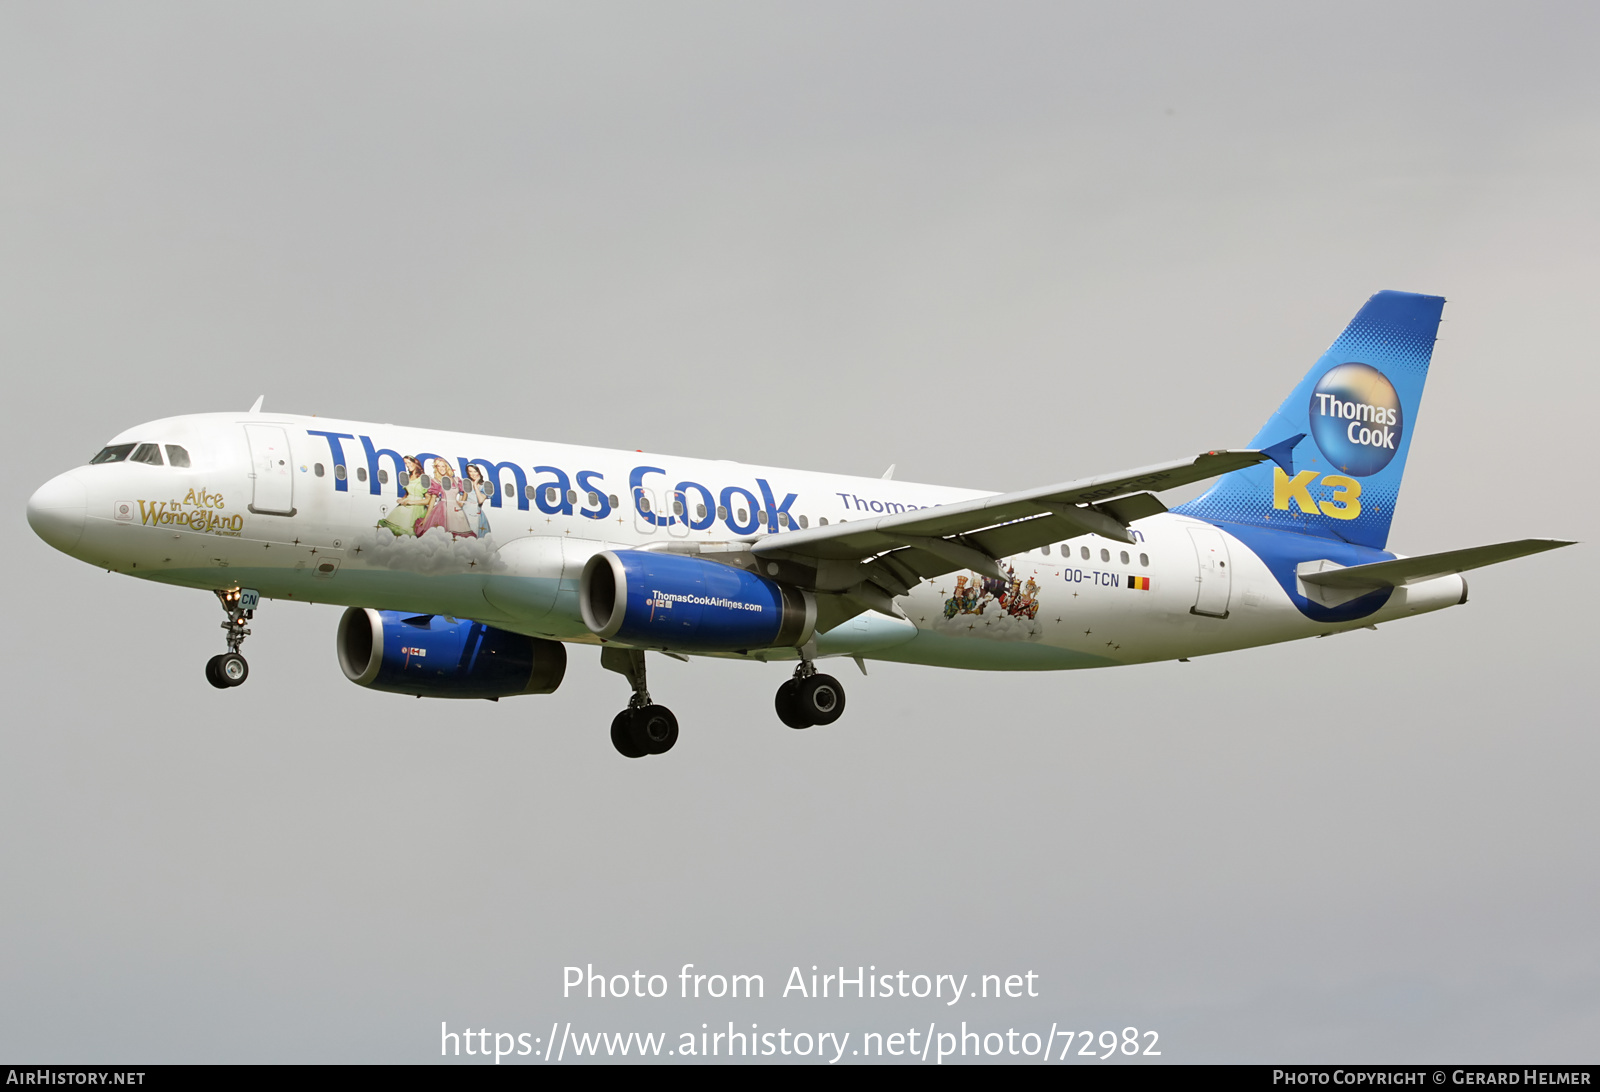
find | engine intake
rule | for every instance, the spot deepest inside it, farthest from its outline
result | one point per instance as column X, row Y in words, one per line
column 433, row 656
column 672, row 601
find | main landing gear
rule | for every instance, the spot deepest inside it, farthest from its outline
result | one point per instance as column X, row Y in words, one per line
column 230, row 668
column 810, row 698
column 643, row 728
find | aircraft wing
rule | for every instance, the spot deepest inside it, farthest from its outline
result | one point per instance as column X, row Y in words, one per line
column 1413, row 570
column 926, row 542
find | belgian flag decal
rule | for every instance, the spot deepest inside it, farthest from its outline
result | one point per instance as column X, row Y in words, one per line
column 1138, row 583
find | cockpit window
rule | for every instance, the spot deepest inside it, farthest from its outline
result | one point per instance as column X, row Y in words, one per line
column 147, row 453
column 177, row 456
column 113, row 454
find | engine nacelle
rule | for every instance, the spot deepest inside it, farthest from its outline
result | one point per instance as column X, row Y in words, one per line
column 436, row 657
column 661, row 600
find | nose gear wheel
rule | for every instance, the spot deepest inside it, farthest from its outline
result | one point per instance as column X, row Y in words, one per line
column 230, row 669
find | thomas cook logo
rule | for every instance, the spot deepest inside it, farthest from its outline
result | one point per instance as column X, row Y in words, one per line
column 1356, row 418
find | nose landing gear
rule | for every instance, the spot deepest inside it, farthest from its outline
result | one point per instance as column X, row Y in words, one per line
column 810, row 698
column 229, row 668
column 643, row 728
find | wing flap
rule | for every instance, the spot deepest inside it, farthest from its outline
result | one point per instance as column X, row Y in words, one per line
column 1414, row 570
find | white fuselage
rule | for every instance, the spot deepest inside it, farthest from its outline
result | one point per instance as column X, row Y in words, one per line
column 313, row 509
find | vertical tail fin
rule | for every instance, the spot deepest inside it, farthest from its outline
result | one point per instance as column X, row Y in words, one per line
column 1355, row 411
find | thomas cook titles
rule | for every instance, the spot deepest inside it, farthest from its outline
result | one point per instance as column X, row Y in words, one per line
column 1355, row 413
column 1356, row 418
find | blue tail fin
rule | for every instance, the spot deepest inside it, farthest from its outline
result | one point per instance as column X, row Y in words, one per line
column 1355, row 411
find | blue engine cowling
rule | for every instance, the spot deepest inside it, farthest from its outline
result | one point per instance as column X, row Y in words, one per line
column 437, row 657
column 660, row 600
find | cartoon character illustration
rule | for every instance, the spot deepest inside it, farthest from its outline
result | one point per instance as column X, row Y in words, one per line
column 956, row 604
column 444, row 505
column 455, row 516
column 475, row 494
column 434, row 516
column 1026, row 604
column 413, row 507
column 1014, row 597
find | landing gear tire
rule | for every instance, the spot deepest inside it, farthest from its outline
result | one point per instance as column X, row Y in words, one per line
column 622, row 736
column 654, row 729
column 819, row 698
column 787, row 703
column 213, row 676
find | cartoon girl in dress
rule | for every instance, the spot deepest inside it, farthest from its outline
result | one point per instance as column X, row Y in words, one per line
column 455, row 515
column 475, row 493
column 412, row 507
column 442, row 486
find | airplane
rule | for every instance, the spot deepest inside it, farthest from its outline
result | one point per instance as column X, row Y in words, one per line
column 467, row 564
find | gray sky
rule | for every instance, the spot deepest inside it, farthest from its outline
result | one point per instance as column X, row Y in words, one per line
column 999, row 245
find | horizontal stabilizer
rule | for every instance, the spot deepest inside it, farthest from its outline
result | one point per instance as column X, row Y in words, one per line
column 1413, row 570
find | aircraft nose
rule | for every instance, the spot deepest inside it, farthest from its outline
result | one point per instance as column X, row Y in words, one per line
column 57, row 509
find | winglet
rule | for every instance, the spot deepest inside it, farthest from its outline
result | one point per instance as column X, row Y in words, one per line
column 255, row 407
column 1282, row 452
column 889, row 474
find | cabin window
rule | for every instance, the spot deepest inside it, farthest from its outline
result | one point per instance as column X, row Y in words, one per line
column 317, row 469
column 1144, row 559
column 383, row 476
column 177, row 456
column 339, row 471
column 552, row 495
column 699, row 511
column 677, row 508
column 761, row 515
column 783, row 519
column 644, row 501
column 528, row 491
column 722, row 512
column 823, row 522
column 804, row 523
column 594, row 499
column 1105, row 555
column 113, row 454
column 1045, row 549
column 1083, row 551
column 572, row 496
column 147, row 453
column 361, row 473
column 1124, row 557
column 404, row 479
column 613, row 499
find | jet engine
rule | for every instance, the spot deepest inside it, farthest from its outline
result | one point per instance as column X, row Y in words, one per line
column 673, row 601
column 433, row 656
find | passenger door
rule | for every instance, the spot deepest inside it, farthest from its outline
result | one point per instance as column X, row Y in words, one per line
column 271, row 470
column 1214, row 584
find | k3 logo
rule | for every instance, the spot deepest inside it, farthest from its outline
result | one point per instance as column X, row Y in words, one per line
column 1344, row 503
